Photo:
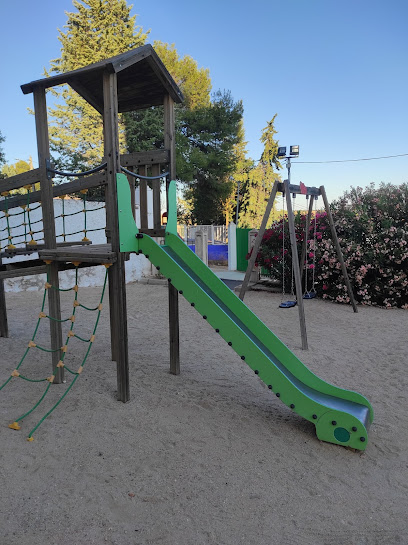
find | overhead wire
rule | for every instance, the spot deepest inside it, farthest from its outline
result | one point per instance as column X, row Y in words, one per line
column 353, row 160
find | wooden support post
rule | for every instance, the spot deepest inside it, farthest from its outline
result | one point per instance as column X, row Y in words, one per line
column 54, row 303
column 258, row 241
column 170, row 144
column 295, row 265
column 132, row 184
column 3, row 310
column 304, row 246
column 156, row 197
column 144, row 218
column 117, row 280
column 338, row 249
column 174, row 330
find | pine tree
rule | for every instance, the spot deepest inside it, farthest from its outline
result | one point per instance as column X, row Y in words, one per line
column 99, row 29
column 211, row 135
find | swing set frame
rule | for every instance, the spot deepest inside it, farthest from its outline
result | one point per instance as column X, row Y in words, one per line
column 287, row 190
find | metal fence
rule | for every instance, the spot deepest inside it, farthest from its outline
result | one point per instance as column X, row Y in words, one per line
column 217, row 234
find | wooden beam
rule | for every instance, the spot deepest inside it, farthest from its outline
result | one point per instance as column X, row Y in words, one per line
column 170, row 135
column 295, row 265
column 156, row 198
column 95, row 253
column 296, row 189
column 84, row 92
column 3, row 309
column 144, row 219
column 170, row 145
column 154, row 232
column 116, row 273
column 23, row 271
column 144, row 158
column 95, row 180
column 304, row 245
column 174, row 330
column 20, row 180
column 338, row 249
column 258, row 241
column 35, row 266
column 54, row 304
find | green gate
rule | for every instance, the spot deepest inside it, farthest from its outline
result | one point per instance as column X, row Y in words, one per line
column 242, row 249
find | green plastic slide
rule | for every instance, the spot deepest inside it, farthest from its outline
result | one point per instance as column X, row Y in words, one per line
column 341, row 416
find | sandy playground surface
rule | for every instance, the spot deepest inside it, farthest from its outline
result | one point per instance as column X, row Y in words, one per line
column 209, row 457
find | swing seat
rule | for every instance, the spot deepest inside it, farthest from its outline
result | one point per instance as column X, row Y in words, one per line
column 288, row 304
column 309, row 295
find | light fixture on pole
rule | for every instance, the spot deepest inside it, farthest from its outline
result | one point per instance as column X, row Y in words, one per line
column 294, row 152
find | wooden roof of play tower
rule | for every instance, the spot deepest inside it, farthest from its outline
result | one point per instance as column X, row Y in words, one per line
column 143, row 80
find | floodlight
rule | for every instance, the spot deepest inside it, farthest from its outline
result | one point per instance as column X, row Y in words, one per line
column 294, row 151
column 282, row 152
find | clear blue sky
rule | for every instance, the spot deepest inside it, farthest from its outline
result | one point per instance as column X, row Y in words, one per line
column 334, row 72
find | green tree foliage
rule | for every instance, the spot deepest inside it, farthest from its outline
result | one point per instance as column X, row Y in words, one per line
column 144, row 128
column 242, row 169
column 211, row 134
column 259, row 181
column 99, row 29
column 207, row 133
column 17, row 168
column 372, row 229
column 194, row 82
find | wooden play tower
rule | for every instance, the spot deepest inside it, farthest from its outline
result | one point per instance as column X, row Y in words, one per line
column 131, row 81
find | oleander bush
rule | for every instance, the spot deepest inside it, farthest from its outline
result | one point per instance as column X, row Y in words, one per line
column 372, row 227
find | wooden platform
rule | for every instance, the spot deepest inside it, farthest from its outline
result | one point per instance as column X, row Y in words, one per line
column 87, row 256
column 95, row 253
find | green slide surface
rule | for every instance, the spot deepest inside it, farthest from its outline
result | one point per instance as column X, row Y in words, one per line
column 340, row 416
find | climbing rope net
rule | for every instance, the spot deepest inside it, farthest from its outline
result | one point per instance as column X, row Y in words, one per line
column 17, row 372
column 19, row 228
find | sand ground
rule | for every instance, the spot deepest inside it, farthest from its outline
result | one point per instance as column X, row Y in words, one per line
column 209, row 457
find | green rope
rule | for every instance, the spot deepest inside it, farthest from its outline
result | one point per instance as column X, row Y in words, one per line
column 76, row 374
column 5, row 383
column 82, row 365
column 58, row 320
column 88, row 308
column 52, row 408
column 47, row 349
column 35, row 406
column 32, row 379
